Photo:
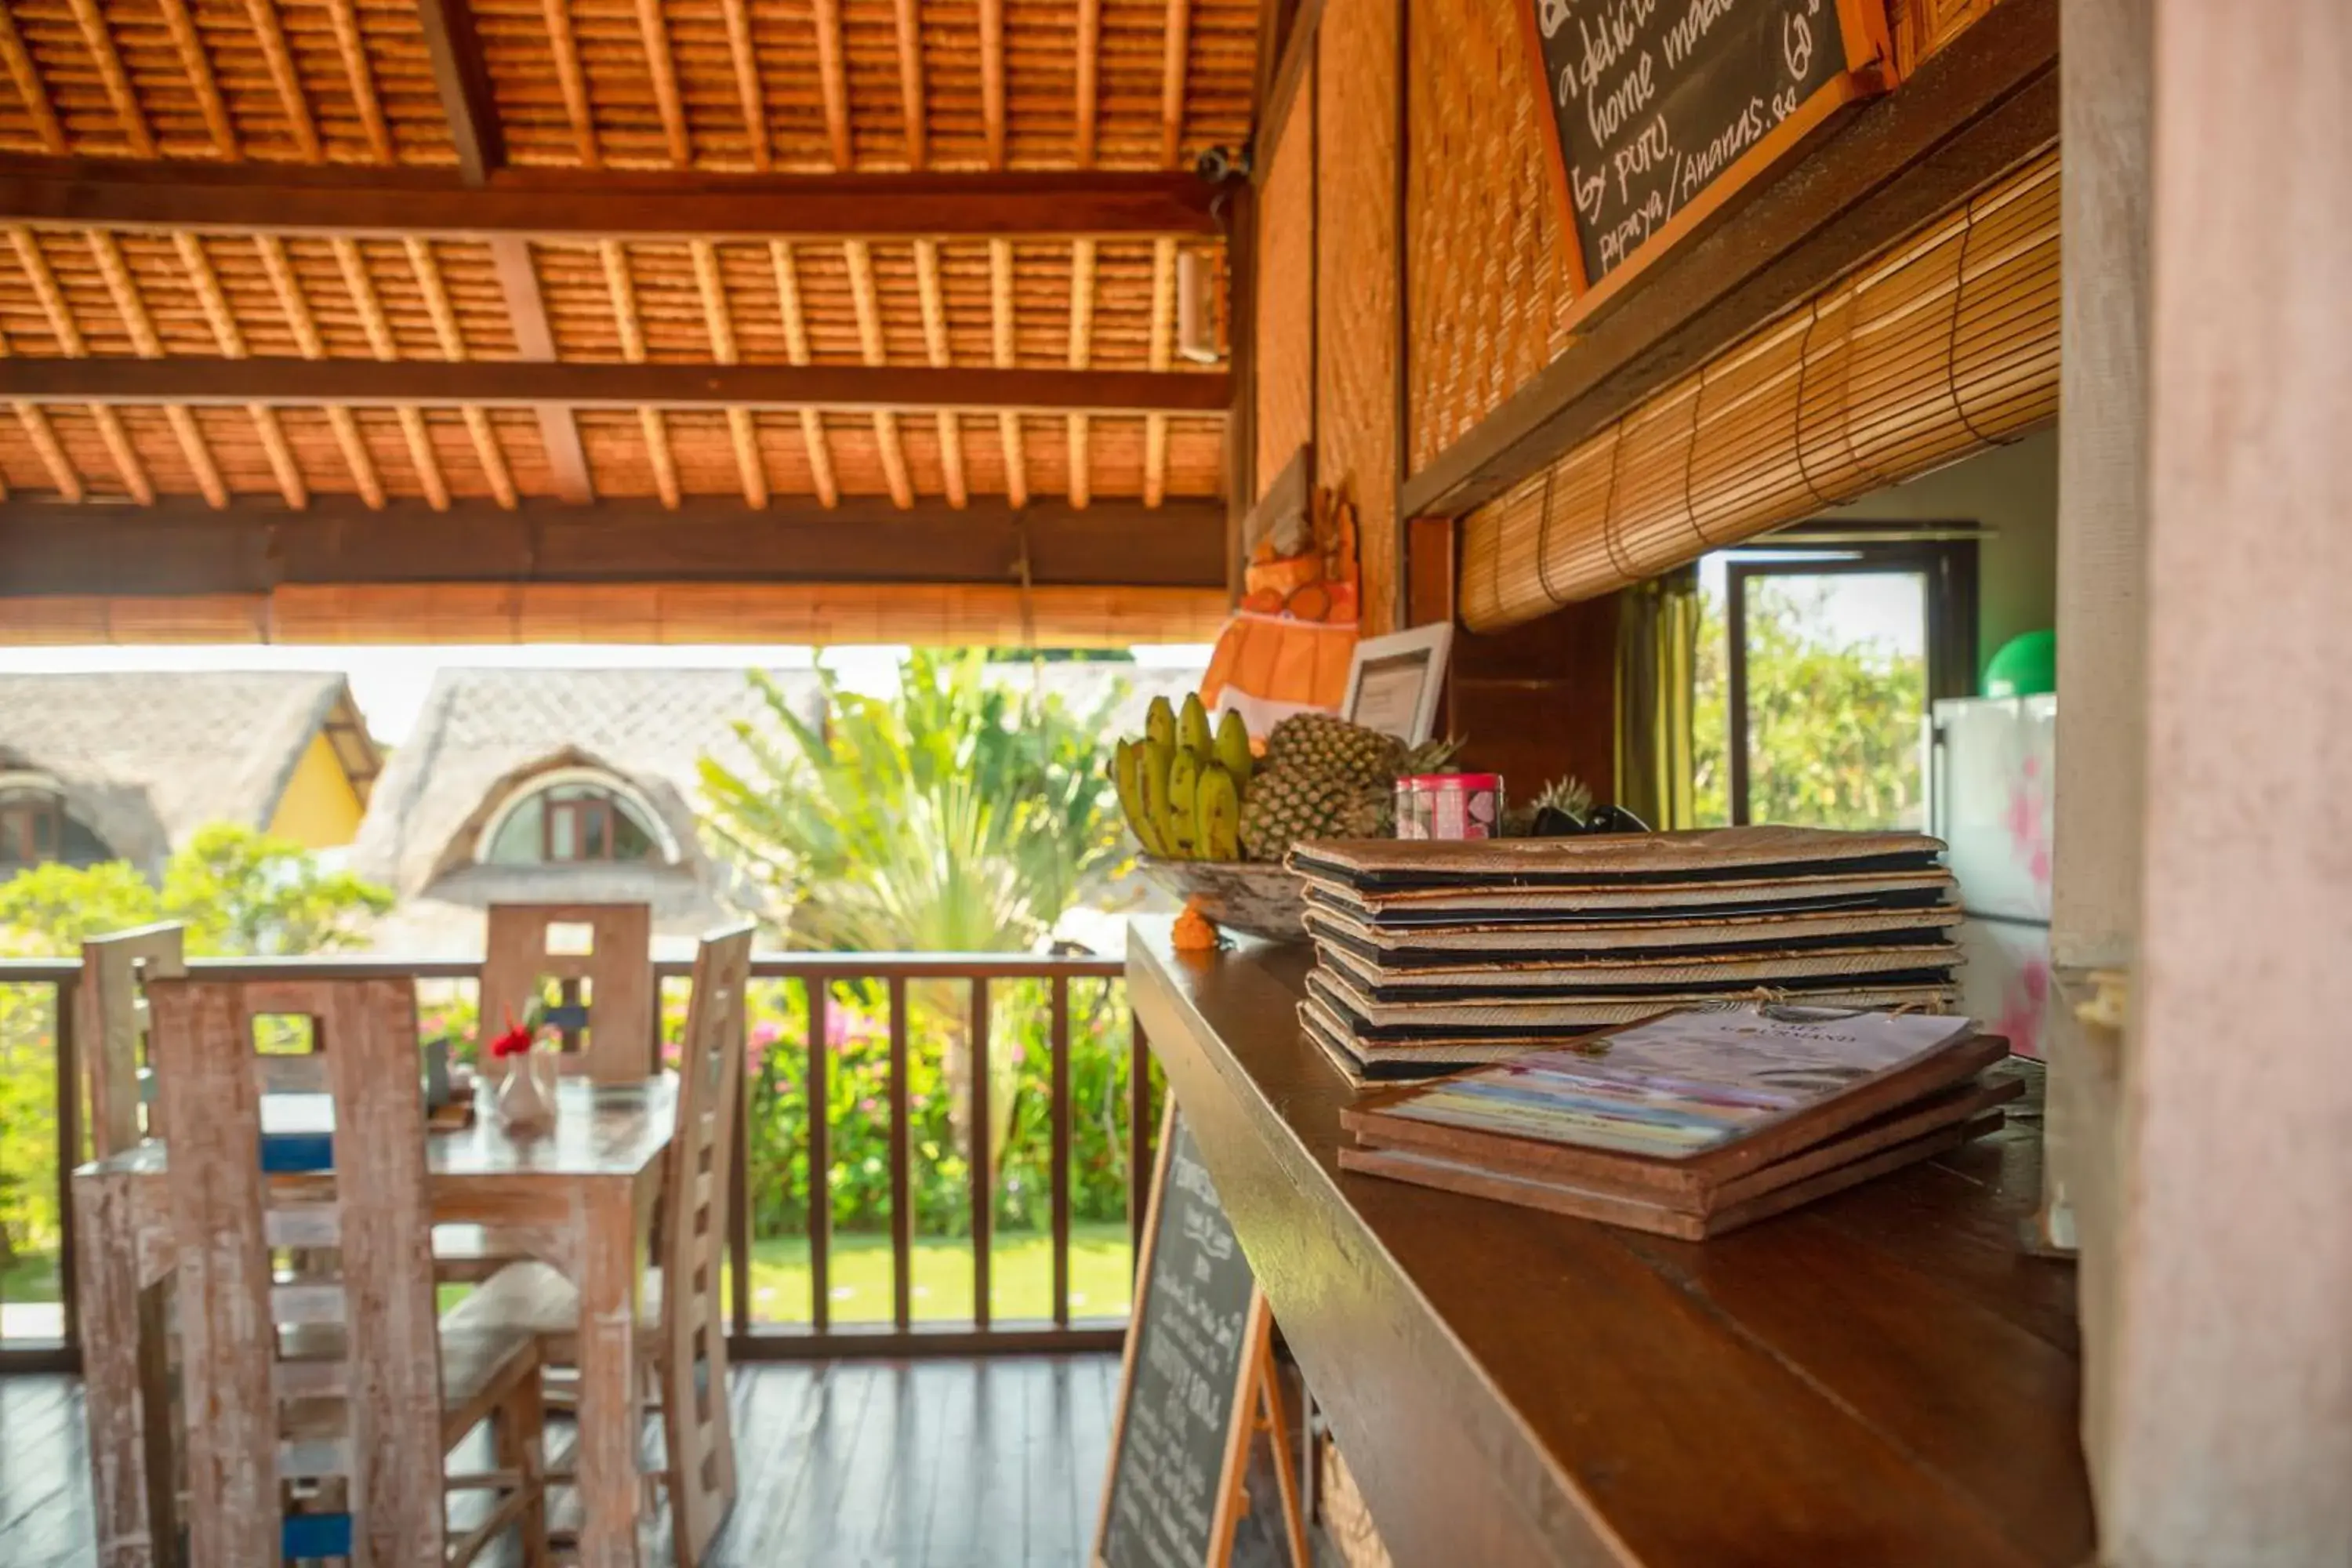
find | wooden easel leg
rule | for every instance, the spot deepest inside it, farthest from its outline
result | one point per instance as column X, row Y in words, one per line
column 1277, row 1430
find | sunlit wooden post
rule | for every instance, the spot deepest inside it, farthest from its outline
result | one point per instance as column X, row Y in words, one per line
column 983, row 1155
column 820, row 1161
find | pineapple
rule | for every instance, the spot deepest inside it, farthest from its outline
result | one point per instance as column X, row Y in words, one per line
column 1332, row 748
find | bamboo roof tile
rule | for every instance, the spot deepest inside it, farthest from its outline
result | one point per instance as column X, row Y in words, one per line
column 636, row 91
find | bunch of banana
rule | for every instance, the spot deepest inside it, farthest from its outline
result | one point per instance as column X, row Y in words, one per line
column 1182, row 786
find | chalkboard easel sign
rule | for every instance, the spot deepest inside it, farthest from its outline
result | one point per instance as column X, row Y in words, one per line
column 1197, row 1384
column 1662, row 110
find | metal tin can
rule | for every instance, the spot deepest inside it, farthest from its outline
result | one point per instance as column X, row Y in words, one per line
column 1449, row 806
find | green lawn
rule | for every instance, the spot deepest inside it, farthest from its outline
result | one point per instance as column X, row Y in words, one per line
column 1022, row 1283
column 1020, row 1279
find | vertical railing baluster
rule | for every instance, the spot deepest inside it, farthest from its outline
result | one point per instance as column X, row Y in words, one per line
column 1139, row 1132
column 1058, row 1101
column 983, row 1156
column 820, row 1162
column 902, row 1215
column 67, row 1002
column 738, row 1214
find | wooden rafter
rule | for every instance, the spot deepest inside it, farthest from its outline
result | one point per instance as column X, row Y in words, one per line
column 452, row 337
column 1082, row 338
column 1176, row 46
column 462, row 82
column 182, row 546
column 663, row 69
column 796, row 349
column 991, row 80
column 894, row 387
column 1162, row 354
column 304, row 326
column 285, row 75
column 1001, row 346
column 860, row 257
column 747, row 91
column 571, row 78
column 99, row 38
column 833, row 79
column 386, row 349
column 71, row 343
column 742, row 429
column 559, row 433
column 935, row 348
column 198, row 65
column 43, row 436
column 352, row 44
column 624, row 293
column 288, row 198
column 912, row 101
column 283, row 464
column 1089, row 65
column 26, row 75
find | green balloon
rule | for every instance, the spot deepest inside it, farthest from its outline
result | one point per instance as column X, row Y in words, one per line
column 2026, row 666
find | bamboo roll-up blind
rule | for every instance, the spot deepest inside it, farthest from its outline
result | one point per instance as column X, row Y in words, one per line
column 1944, row 346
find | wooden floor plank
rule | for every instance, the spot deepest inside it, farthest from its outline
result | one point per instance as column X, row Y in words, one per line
column 958, row 1464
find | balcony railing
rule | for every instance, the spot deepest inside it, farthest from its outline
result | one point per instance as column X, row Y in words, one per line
column 882, row 1071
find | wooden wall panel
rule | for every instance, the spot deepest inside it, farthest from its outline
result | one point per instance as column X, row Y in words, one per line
column 1356, row 284
column 1286, row 293
column 1486, row 286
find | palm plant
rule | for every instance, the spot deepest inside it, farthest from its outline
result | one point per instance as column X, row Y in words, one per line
column 961, row 814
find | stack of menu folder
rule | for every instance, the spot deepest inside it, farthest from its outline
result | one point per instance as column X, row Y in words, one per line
column 1695, row 1123
column 1436, row 955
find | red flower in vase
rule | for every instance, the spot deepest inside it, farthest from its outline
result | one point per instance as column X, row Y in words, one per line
column 517, row 1041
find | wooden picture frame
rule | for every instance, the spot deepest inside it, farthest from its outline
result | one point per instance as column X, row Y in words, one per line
column 1869, row 70
column 1376, row 675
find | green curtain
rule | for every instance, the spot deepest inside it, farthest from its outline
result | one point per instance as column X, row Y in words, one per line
column 1657, row 651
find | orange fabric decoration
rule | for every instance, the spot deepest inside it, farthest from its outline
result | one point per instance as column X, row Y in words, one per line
column 1289, row 645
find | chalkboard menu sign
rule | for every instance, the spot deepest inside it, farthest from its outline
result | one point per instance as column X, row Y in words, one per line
column 1662, row 109
column 1186, row 1398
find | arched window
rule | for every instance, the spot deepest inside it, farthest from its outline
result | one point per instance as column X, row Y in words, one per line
column 36, row 830
column 575, row 817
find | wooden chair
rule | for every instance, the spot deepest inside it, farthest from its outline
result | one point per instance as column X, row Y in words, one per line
column 110, row 1023
column 682, row 1333
column 321, row 1408
column 618, row 1015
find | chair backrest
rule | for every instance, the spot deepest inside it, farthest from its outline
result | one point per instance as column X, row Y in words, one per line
column 333, row 1379
column 111, row 1024
column 617, row 1016
column 698, row 1185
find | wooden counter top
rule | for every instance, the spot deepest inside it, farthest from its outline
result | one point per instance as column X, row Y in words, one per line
column 1879, row 1378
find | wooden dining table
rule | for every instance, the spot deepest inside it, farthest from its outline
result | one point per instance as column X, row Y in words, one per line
column 579, row 1198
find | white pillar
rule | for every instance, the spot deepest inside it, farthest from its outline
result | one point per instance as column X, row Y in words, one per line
column 2229, row 1442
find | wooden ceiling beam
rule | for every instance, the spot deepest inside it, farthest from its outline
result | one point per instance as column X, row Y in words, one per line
column 288, row 382
column 290, row 199
column 463, row 82
column 181, row 547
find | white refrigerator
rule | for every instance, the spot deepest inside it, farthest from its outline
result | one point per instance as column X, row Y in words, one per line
column 1991, row 780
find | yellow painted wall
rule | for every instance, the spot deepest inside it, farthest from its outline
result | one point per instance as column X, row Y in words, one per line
column 320, row 810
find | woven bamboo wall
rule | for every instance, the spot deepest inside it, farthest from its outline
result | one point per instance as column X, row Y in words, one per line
column 1286, row 292
column 1356, row 284
column 1487, row 288
column 1944, row 346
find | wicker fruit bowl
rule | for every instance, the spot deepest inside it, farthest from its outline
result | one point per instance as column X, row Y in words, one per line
column 1256, row 897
